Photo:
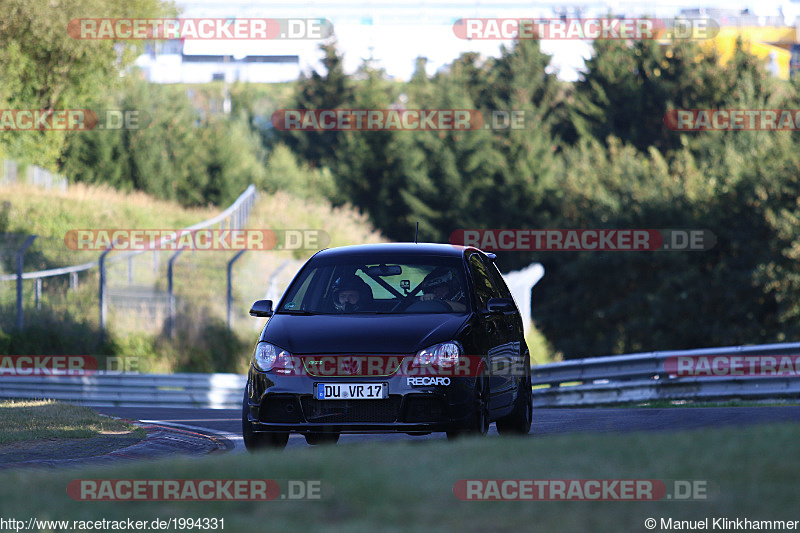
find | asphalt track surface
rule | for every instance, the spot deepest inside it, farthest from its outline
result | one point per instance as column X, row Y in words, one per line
column 545, row 421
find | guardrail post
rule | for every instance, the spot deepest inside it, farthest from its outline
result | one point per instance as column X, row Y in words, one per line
column 171, row 318
column 73, row 280
column 20, row 262
column 38, row 293
column 102, row 294
column 130, row 270
column 230, row 286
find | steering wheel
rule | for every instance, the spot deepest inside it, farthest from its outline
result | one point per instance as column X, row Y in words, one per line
column 402, row 304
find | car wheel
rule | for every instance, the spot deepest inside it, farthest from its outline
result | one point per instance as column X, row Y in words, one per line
column 479, row 418
column 519, row 421
column 259, row 440
column 316, row 438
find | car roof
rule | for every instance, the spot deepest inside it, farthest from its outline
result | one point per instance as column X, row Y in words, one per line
column 395, row 248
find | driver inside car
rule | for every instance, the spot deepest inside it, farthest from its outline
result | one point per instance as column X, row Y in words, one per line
column 351, row 294
column 441, row 284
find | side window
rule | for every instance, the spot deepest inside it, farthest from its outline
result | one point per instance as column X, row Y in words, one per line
column 498, row 281
column 483, row 283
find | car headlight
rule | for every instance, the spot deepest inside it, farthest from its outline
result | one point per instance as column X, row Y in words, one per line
column 446, row 354
column 268, row 356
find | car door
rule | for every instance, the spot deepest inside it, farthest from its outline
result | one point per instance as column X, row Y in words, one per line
column 494, row 328
column 514, row 331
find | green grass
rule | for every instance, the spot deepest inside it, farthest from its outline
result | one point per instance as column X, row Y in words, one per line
column 408, row 486
column 51, row 213
column 47, row 419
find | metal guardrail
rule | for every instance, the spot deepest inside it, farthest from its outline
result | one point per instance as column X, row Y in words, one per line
column 643, row 377
column 124, row 389
column 594, row 381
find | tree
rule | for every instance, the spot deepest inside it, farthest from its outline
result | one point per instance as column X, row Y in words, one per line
column 316, row 91
column 373, row 168
column 628, row 89
column 163, row 157
column 234, row 159
column 44, row 68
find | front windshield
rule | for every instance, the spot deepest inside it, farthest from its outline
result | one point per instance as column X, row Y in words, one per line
column 378, row 285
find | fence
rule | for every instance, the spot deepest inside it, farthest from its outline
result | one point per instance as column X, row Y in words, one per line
column 620, row 379
column 11, row 172
column 132, row 296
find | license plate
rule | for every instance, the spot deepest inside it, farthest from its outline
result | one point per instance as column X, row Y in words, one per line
column 351, row 391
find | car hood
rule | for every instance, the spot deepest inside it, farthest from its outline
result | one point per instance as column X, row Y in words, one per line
column 366, row 334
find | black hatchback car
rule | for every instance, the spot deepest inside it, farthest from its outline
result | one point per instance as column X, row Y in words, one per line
column 410, row 338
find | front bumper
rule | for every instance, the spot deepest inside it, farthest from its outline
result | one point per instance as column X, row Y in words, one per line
column 286, row 403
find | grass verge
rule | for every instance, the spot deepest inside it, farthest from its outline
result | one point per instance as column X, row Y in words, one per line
column 46, row 419
column 408, row 485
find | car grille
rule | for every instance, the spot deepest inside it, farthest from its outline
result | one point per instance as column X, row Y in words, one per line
column 352, row 365
column 424, row 409
column 351, row 411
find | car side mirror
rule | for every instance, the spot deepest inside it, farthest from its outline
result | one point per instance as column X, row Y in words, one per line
column 496, row 306
column 261, row 308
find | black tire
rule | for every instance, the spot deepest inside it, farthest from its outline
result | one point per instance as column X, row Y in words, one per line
column 260, row 440
column 519, row 421
column 478, row 424
column 318, row 438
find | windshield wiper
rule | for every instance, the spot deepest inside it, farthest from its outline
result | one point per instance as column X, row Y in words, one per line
column 301, row 312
